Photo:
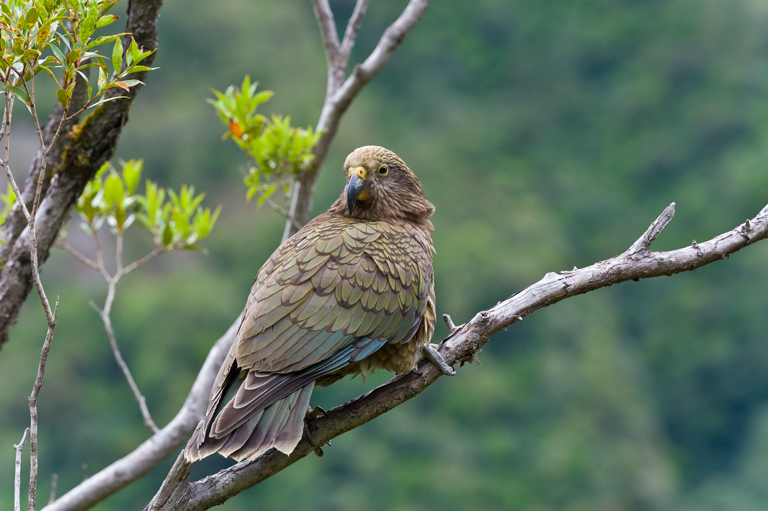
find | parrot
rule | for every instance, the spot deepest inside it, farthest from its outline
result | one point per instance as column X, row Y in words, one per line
column 350, row 292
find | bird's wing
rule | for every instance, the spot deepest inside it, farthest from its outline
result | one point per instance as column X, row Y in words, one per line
column 330, row 296
column 343, row 284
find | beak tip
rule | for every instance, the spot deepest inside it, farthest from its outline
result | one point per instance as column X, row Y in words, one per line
column 354, row 188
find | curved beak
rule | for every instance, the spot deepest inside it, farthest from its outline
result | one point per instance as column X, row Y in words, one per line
column 355, row 190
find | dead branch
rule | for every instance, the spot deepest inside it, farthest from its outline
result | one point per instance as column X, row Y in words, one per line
column 17, row 472
column 462, row 345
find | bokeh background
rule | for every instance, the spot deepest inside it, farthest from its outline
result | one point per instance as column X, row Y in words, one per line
column 549, row 135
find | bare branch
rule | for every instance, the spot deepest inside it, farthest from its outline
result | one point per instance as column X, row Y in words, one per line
column 281, row 211
column 104, row 314
column 144, row 260
column 77, row 255
column 353, row 27
column 339, row 96
column 158, row 447
column 462, row 345
column 17, row 472
column 643, row 244
column 327, row 25
column 33, row 405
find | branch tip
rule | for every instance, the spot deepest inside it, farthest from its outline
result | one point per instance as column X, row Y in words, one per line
column 643, row 244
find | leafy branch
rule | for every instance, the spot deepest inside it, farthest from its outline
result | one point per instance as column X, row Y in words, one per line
column 276, row 152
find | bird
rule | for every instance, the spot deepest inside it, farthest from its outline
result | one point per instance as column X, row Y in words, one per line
column 349, row 293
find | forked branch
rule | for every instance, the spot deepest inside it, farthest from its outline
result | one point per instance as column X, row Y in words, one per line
column 340, row 92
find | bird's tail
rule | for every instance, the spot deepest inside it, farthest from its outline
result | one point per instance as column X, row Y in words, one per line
column 279, row 425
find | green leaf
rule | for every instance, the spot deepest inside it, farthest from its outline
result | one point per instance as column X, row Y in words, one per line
column 32, row 16
column 106, row 20
column 132, row 174
column 87, row 28
column 102, row 40
column 58, row 54
column 17, row 92
column 117, row 55
column 73, row 56
column 113, row 189
column 167, row 235
column 131, row 83
column 140, row 69
column 63, row 97
column 102, row 77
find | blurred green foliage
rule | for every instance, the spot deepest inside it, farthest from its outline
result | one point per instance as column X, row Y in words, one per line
column 548, row 135
column 174, row 224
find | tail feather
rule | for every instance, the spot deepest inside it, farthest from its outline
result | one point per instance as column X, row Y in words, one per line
column 280, row 425
column 252, row 411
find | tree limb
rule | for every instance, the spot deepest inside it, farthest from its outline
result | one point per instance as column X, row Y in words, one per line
column 462, row 345
column 338, row 95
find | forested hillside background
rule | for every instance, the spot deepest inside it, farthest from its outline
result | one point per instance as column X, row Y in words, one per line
column 548, row 135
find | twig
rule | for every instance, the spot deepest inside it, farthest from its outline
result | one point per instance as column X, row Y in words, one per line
column 17, row 472
column 124, row 367
column 462, row 345
column 77, row 255
column 105, row 313
column 33, row 406
column 144, row 260
column 282, row 211
column 339, row 93
column 353, row 27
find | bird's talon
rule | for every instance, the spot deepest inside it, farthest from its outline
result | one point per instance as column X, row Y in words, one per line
column 319, row 452
column 314, row 413
column 436, row 358
column 416, row 372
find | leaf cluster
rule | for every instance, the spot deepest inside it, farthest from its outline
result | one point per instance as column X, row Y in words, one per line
column 276, row 151
column 174, row 220
column 47, row 35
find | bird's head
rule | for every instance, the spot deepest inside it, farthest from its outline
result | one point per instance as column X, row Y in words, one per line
column 380, row 186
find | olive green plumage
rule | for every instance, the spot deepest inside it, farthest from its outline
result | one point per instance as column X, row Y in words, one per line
column 350, row 292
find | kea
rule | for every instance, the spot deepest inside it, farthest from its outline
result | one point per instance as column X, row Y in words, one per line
column 351, row 292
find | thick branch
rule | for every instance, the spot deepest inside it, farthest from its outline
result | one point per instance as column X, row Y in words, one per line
column 158, row 447
column 462, row 345
column 87, row 146
column 338, row 98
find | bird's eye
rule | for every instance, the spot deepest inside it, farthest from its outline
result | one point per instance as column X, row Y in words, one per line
column 383, row 170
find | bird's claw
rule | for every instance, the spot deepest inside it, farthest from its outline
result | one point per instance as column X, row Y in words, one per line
column 314, row 413
column 436, row 358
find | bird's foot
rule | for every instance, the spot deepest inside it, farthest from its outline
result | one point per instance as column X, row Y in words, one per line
column 317, row 449
column 314, row 413
column 436, row 358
